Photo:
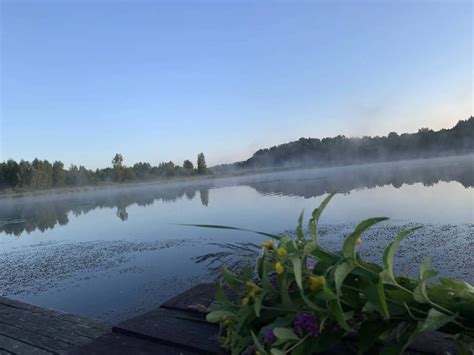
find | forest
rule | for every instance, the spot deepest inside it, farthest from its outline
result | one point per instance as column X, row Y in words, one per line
column 305, row 152
column 42, row 174
column 341, row 150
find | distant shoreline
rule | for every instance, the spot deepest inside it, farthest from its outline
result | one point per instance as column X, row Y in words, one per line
column 202, row 178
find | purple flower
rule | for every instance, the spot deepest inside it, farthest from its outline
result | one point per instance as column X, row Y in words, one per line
column 311, row 263
column 306, row 324
column 272, row 276
column 269, row 337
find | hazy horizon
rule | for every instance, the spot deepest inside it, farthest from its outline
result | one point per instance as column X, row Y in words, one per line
column 160, row 81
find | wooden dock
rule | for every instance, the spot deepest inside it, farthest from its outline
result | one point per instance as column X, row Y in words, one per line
column 178, row 327
column 28, row 329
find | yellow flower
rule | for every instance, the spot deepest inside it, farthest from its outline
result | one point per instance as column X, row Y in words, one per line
column 251, row 285
column 253, row 288
column 279, row 268
column 267, row 245
column 358, row 241
column 245, row 301
column 316, row 282
column 281, row 251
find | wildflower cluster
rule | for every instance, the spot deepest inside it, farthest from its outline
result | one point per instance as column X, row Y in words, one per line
column 302, row 298
column 252, row 290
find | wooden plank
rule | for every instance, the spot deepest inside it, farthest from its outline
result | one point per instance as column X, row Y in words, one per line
column 51, row 313
column 43, row 327
column 173, row 327
column 196, row 298
column 17, row 347
column 120, row 344
column 13, row 316
column 37, row 340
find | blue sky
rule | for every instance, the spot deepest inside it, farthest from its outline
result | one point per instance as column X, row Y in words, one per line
column 154, row 80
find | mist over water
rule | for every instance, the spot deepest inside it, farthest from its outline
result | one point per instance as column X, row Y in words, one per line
column 118, row 251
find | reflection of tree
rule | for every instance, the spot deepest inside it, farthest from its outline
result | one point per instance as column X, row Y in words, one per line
column 231, row 255
column 43, row 213
column 122, row 213
column 190, row 193
column 346, row 179
column 204, row 193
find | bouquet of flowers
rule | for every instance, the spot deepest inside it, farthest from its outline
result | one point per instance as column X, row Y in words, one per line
column 301, row 298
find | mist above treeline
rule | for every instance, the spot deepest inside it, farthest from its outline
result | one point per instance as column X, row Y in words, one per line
column 306, row 152
column 341, row 150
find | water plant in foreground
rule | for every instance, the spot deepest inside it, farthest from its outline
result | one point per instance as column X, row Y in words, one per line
column 301, row 298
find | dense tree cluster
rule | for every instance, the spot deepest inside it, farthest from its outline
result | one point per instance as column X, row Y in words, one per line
column 341, row 150
column 41, row 174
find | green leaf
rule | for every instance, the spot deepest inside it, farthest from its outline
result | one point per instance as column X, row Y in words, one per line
column 217, row 316
column 246, row 273
column 419, row 293
column 426, row 273
column 348, row 248
column 230, row 278
column 217, row 226
column 342, row 270
column 310, row 304
column 376, row 296
column 313, row 223
column 276, row 351
column 382, row 300
column 265, row 279
column 221, row 297
column 434, row 321
column 284, row 295
column 458, row 285
column 299, row 229
column 296, row 261
column 258, row 302
column 390, row 251
column 285, row 334
column 256, row 342
column 308, row 248
column 337, row 312
column 328, row 294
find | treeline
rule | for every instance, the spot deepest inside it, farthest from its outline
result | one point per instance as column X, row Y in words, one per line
column 42, row 174
column 342, row 150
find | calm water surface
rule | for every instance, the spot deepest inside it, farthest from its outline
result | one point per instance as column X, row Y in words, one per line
column 117, row 252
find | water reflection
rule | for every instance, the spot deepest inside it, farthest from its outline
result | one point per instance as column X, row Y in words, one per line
column 311, row 184
column 19, row 215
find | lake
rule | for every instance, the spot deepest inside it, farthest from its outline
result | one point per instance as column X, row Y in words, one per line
column 119, row 251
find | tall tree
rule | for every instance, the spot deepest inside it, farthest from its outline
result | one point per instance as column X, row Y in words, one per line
column 117, row 163
column 188, row 165
column 59, row 174
column 10, row 171
column 201, row 164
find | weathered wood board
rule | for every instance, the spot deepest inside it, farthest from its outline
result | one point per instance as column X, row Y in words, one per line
column 28, row 329
column 120, row 344
column 201, row 295
column 186, row 329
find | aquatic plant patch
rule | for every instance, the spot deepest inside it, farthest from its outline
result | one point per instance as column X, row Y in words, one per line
column 301, row 298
